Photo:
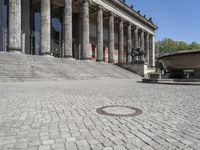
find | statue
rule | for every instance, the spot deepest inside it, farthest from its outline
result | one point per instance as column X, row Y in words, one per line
column 137, row 54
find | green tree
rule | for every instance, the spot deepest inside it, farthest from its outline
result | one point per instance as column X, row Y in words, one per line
column 182, row 46
column 194, row 45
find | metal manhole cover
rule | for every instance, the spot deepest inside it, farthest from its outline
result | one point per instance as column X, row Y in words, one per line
column 119, row 111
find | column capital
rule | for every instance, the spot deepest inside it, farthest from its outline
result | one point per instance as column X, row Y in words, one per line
column 100, row 8
column 82, row 2
column 147, row 34
column 112, row 14
column 135, row 27
column 141, row 30
column 130, row 24
column 121, row 19
column 151, row 35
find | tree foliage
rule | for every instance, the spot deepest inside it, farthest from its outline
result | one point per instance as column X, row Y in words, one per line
column 169, row 46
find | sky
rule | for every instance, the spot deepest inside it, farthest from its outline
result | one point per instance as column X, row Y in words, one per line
column 176, row 19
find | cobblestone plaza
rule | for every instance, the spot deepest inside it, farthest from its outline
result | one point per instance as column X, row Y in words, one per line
column 62, row 115
column 87, row 102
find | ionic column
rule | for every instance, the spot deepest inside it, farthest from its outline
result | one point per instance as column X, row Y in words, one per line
column 45, row 27
column 136, row 37
column 121, row 41
column 142, row 39
column 129, row 42
column 100, row 33
column 85, row 25
column 1, row 25
column 68, row 29
column 26, row 31
column 152, row 51
column 111, row 38
column 147, row 47
column 15, row 43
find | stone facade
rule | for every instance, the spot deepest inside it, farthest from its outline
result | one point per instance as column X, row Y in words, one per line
column 80, row 29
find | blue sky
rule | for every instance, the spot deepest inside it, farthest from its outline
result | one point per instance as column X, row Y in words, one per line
column 176, row 19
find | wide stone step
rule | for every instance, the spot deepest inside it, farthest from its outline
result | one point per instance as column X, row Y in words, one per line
column 28, row 67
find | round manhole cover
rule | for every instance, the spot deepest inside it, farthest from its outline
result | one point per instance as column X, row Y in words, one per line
column 119, row 111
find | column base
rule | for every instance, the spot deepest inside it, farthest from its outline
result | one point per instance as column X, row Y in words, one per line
column 47, row 55
column 111, row 62
column 15, row 50
column 86, row 59
column 99, row 60
column 69, row 57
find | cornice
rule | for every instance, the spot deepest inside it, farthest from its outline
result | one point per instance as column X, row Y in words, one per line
column 129, row 12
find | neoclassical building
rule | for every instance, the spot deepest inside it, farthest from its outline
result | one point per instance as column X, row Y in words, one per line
column 102, row 30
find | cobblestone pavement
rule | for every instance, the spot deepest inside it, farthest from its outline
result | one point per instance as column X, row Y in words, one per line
column 62, row 115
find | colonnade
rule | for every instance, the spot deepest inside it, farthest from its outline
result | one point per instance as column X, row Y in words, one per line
column 136, row 36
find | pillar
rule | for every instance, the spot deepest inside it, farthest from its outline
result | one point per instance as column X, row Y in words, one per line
column 142, row 39
column 152, row 51
column 136, row 37
column 121, row 41
column 68, row 29
column 100, row 33
column 26, row 33
column 111, row 39
column 85, row 29
column 1, row 25
column 45, row 27
column 129, row 31
column 147, row 47
column 15, row 26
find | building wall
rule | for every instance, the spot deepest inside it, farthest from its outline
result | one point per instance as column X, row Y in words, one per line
column 114, row 7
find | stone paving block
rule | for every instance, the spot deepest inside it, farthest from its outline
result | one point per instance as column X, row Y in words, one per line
column 169, row 118
column 119, row 147
column 48, row 142
column 107, row 148
column 71, row 146
column 58, row 146
column 45, row 147
column 21, row 145
column 35, row 143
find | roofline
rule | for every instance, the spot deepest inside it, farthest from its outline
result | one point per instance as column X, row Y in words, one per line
column 134, row 12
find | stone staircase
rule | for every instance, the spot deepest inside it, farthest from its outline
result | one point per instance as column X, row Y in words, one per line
column 21, row 67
